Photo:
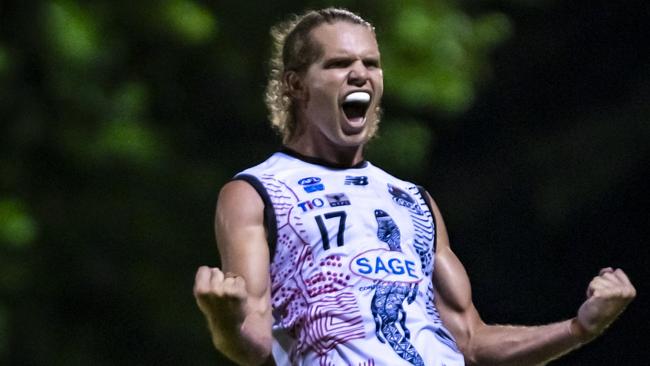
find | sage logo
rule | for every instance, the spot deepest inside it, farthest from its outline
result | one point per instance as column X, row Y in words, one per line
column 311, row 184
column 386, row 265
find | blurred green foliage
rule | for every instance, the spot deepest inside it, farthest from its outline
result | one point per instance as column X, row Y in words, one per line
column 190, row 21
column 435, row 54
column 120, row 120
column 18, row 227
column 73, row 32
column 407, row 148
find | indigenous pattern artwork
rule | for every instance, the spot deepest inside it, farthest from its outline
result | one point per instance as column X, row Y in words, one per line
column 352, row 258
column 387, row 302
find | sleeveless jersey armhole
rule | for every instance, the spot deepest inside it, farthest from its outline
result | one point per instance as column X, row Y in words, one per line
column 423, row 193
column 270, row 222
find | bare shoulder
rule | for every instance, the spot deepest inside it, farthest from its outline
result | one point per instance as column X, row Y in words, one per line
column 240, row 215
column 239, row 193
column 241, row 234
column 239, row 202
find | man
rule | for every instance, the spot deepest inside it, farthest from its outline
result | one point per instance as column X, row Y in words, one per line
column 327, row 259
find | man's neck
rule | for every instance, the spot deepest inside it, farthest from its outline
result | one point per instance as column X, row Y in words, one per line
column 336, row 155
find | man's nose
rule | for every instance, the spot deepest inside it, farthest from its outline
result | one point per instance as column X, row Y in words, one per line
column 358, row 75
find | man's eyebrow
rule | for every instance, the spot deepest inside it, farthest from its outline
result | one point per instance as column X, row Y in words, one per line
column 338, row 57
column 346, row 55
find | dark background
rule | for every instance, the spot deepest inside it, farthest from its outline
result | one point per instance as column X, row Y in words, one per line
column 528, row 121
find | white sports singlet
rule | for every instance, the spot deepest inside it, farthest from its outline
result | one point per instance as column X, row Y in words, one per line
column 352, row 258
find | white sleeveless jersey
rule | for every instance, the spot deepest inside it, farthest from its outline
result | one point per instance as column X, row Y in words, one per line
column 352, row 259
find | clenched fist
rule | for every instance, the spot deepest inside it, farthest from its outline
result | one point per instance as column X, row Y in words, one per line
column 220, row 296
column 607, row 296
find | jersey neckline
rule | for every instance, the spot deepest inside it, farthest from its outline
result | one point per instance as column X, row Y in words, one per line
column 322, row 162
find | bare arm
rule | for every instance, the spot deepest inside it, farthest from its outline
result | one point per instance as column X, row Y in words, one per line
column 236, row 299
column 607, row 296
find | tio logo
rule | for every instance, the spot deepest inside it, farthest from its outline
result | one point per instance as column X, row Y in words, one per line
column 311, row 204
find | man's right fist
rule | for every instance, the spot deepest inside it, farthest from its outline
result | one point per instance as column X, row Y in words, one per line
column 220, row 295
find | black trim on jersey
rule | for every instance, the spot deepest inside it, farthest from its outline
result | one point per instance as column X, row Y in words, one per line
column 424, row 195
column 269, row 213
column 321, row 162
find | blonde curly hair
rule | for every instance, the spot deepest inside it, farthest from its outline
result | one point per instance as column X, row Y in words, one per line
column 294, row 50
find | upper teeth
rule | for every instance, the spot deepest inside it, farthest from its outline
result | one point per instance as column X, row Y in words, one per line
column 363, row 97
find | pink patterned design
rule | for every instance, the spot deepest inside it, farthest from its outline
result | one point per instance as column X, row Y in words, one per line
column 286, row 293
column 307, row 294
column 328, row 278
column 334, row 319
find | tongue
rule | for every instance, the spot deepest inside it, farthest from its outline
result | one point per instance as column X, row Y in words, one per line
column 354, row 111
column 358, row 97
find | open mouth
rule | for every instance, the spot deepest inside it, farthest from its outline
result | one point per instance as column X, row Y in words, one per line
column 355, row 105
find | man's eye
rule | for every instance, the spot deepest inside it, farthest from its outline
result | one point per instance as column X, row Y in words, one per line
column 338, row 64
column 371, row 64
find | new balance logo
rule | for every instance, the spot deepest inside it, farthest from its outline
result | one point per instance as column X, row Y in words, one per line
column 357, row 181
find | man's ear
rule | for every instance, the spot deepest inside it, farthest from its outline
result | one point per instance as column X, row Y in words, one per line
column 295, row 86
